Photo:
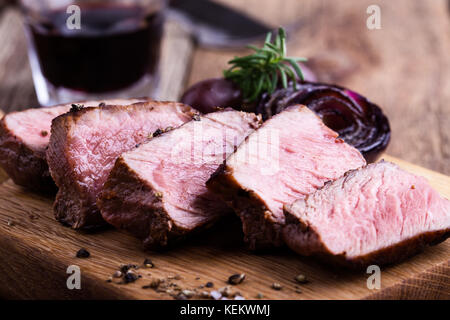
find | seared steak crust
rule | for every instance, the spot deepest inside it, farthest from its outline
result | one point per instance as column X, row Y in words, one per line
column 24, row 138
column 157, row 192
column 137, row 207
column 288, row 157
column 25, row 165
column 385, row 256
column 378, row 215
column 85, row 143
column 260, row 230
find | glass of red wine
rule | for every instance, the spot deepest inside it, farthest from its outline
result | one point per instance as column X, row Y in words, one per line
column 93, row 49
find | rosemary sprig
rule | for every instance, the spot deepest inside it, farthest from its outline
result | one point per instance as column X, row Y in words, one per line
column 261, row 71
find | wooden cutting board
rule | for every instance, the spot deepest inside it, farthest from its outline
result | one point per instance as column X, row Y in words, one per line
column 36, row 251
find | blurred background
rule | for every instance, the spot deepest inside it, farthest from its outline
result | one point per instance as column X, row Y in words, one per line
column 404, row 66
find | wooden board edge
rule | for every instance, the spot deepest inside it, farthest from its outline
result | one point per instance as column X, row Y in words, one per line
column 430, row 284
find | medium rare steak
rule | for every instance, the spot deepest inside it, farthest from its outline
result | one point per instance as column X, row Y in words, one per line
column 157, row 191
column 84, row 144
column 290, row 156
column 24, row 138
column 376, row 215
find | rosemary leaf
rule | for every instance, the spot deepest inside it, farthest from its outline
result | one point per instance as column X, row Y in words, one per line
column 262, row 71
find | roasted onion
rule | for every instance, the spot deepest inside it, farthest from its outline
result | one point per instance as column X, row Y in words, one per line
column 207, row 95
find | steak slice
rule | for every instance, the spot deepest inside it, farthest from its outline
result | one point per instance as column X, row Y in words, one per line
column 84, row 145
column 157, row 191
column 290, row 156
column 24, row 138
column 376, row 215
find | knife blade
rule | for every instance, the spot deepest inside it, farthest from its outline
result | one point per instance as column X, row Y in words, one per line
column 215, row 25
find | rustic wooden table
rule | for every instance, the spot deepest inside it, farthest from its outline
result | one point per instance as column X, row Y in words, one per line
column 404, row 66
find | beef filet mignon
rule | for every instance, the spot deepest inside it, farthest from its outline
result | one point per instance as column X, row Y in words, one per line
column 24, row 138
column 376, row 215
column 84, row 144
column 290, row 156
column 157, row 191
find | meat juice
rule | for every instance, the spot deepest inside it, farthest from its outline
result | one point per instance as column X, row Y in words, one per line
column 116, row 46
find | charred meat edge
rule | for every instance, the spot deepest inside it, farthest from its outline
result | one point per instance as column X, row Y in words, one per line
column 26, row 167
column 157, row 229
column 385, row 256
column 90, row 221
column 261, row 231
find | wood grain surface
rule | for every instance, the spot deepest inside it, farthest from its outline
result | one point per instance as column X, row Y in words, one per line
column 403, row 67
column 36, row 252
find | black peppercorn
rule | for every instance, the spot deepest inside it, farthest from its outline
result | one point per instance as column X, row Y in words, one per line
column 83, row 253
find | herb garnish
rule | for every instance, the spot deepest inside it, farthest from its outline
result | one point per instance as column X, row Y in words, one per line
column 261, row 71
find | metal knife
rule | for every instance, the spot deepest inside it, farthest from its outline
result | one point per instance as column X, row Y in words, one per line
column 215, row 25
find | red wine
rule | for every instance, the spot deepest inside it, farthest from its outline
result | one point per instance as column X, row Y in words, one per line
column 115, row 47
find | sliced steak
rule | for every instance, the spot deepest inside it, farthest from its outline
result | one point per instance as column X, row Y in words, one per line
column 290, row 156
column 157, row 191
column 24, row 138
column 84, row 145
column 376, row 215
